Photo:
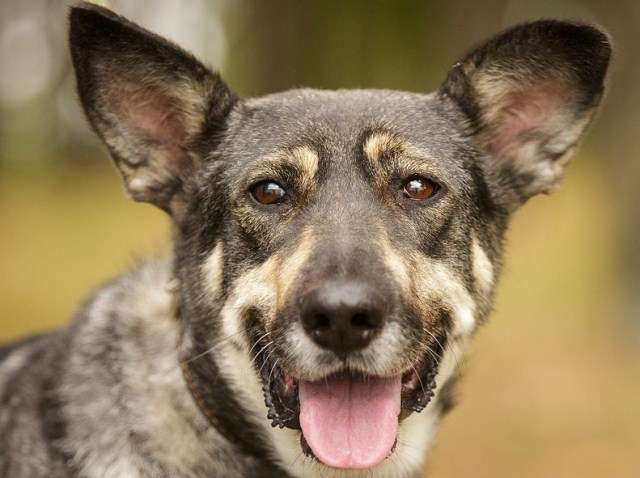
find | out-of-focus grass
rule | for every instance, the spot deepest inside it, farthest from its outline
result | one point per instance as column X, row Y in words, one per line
column 551, row 387
column 64, row 232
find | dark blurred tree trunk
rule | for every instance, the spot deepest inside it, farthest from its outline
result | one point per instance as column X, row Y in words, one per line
column 279, row 35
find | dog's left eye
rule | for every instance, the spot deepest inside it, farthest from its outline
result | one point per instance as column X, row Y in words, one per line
column 419, row 188
column 268, row 192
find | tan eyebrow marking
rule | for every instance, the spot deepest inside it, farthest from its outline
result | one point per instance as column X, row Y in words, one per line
column 307, row 159
column 387, row 152
column 381, row 145
column 303, row 159
column 381, row 148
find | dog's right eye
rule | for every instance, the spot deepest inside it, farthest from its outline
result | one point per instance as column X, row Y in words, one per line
column 418, row 188
column 268, row 192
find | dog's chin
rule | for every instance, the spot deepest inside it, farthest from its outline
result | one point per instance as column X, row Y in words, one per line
column 348, row 419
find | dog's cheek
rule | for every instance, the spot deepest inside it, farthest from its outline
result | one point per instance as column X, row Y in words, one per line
column 459, row 318
column 255, row 296
column 484, row 278
column 435, row 281
column 482, row 267
column 428, row 290
column 417, row 320
column 251, row 296
column 212, row 273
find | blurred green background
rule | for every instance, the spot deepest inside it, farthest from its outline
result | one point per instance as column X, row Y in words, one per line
column 552, row 386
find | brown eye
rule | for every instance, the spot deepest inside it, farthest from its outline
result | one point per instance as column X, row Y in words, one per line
column 419, row 189
column 268, row 192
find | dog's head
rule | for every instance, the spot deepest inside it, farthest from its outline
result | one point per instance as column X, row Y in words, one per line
column 344, row 241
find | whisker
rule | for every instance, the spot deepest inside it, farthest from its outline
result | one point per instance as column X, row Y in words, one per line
column 443, row 349
column 433, row 355
column 433, row 336
column 255, row 357
column 258, row 341
column 265, row 361
column 301, row 454
column 418, row 375
column 218, row 343
column 272, row 369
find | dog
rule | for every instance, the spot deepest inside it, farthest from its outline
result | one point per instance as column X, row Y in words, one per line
column 334, row 253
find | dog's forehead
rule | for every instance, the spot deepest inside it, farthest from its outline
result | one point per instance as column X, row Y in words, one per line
column 338, row 123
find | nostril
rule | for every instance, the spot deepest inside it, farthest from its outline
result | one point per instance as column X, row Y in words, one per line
column 363, row 321
column 342, row 316
column 321, row 322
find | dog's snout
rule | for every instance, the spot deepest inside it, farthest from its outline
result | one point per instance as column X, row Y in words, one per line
column 343, row 316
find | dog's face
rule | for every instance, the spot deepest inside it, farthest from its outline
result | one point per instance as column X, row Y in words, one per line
column 342, row 208
column 344, row 242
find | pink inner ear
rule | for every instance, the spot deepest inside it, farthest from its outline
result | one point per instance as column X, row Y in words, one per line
column 151, row 112
column 526, row 115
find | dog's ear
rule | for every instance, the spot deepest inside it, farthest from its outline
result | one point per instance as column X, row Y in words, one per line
column 149, row 101
column 528, row 94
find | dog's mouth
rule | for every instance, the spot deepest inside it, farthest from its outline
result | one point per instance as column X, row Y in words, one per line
column 348, row 420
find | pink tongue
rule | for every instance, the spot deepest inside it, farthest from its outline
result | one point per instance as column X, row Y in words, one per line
column 350, row 423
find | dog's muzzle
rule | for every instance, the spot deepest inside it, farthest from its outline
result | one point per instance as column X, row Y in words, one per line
column 349, row 418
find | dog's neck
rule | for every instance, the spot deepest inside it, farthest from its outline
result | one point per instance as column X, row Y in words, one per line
column 153, row 421
column 226, row 415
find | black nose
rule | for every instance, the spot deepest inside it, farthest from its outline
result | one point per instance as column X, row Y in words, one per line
column 342, row 316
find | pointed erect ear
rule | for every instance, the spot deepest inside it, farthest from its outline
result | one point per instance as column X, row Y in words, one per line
column 152, row 104
column 528, row 94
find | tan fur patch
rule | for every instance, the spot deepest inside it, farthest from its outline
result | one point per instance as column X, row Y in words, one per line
column 212, row 270
column 255, row 288
column 307, row 159
column 482, row 267
column 265, row 287
column 291, row 266
column 432, row 280
column 424, row 280
column 390, row 156
column 378, row 148
column 302, row 158
column 380, row 145
column 397, row 265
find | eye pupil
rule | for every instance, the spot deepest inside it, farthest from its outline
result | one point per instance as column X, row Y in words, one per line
column 268, row 192
column 419, row 189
